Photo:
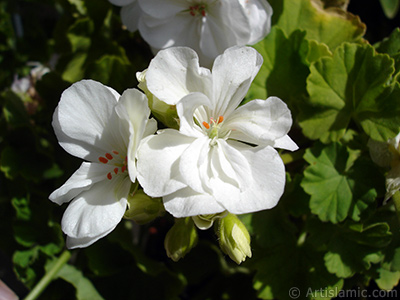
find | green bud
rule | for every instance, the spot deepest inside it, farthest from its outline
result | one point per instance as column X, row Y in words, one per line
column 234, row 239
column 142, row 208
column 204, row 222
column 180, row 239
column 162, row 111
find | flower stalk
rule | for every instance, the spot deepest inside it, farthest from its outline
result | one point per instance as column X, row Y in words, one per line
column 49, row 276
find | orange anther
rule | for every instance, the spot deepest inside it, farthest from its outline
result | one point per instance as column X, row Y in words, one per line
column 109, row 176
column 220, row 119
column 103, row 159
column 115, row 152
column 206, row 125
column 109, row 156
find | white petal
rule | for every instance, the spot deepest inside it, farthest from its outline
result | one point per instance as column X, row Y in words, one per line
column 87, row 175
column 225, row 26
column 259, row 14
column 174, row 73
column 158, row 162
column 268, row 182
column 161, row 9
column 261, row 122
column 186, row 109
column 234, row 164
column 286, row 143
column 232, row 74
column 96, row 212
column 81, row 117
column 190, row 162
column 187, row 203
column 133, row 108
column 130, row 15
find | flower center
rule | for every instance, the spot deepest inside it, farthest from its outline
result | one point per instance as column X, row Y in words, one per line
column 212, row 127
column 198, row 9
column 120, row 163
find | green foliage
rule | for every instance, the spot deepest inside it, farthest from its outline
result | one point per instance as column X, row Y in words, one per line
column 330, row 231
column 361, row 93
column 332, row 26
column 339, row 183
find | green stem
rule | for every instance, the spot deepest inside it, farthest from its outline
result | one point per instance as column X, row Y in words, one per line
column 49, row 276
column 396, row 201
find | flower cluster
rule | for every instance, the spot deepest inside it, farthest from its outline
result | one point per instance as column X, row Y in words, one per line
column 220, row 159
column 215, row 159
column 207, row 26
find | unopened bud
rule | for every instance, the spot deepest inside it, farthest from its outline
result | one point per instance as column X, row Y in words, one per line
column 162, row 111
column 234, row 239
column 180, row 239
column 142, row 208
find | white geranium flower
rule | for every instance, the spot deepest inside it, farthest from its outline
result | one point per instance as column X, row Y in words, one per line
column 207, row 26
column 95, row 123
column 210, row 165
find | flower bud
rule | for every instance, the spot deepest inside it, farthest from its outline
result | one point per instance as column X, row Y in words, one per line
column 142, row 208
column 234, row 239
column 204, row 222
column 180, row 239
column 162, row 111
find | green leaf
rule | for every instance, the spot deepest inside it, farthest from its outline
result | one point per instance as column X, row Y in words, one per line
column 283, row 73
column 324, row 180
column 350, row 248
column 331, row 26
column 338, row 187
column 387, row 279
column 84, row 288
column 351, row 85
column 391, row 46
column 23, row 265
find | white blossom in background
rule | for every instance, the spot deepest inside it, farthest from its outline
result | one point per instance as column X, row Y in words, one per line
column 24, row 84
column 207, row 26
column 210, row 164
column 388, row 155
column 95, row 123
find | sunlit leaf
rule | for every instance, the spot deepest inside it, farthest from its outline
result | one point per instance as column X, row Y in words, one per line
column 331, row 26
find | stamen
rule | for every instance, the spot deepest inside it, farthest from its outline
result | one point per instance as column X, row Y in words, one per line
column 103, row 160
column 206, row 125
column 123, row 168
column 220, row 119
column 109, row 176
column 116, row 170
column 109, row 156
column 115, row 152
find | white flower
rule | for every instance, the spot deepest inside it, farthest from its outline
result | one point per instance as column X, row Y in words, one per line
column 95, row 123
column 210, row 165
column 388, row 155
column 207, row 26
